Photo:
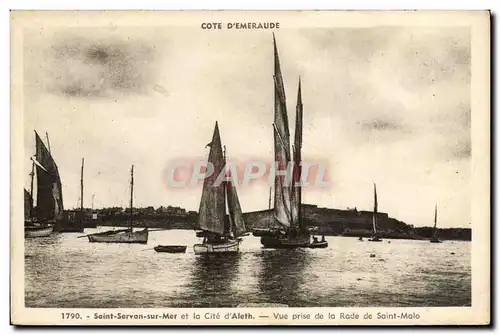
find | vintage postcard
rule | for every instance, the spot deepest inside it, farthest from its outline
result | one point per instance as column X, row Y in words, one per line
column 250, row 168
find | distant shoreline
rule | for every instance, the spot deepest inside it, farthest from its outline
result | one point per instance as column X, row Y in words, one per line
column 321, row 221
column 153, row 224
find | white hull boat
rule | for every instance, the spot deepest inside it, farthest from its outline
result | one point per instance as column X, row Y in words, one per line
column 37, row 231
column 121, row 236
column 230, row 246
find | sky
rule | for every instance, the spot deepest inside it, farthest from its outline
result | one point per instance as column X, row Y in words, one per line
column 389, row 105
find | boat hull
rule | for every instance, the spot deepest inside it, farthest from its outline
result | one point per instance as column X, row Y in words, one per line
column 35, row 231
column 279, row 242
column 259, row 232
column 318, row 245
column 138, row 237
column 173, row 249
column 227, row 247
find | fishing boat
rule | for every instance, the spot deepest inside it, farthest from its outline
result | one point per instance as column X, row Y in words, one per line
column 286, row 227
column 173, row 249
column 434, row 238
column 31, row 227
column 75, row 225
column 127, row 235
column 221, row 233
column 49, row 202
column 375, row 237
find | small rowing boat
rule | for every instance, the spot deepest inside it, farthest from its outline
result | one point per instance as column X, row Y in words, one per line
column 173, row 249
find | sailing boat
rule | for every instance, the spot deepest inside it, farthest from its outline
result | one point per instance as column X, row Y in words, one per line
column 375, row 237
column 221, row 233
column 40, row 221
column 287, row 229
column 76, row 225
column 434, row 238
column 127, row 235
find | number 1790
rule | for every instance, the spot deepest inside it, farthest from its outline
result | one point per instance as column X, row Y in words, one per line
column 70, row 316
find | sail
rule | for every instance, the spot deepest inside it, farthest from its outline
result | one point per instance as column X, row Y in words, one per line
column 235, row 214
column 49, row 190
column 281, row 146
column 296, row 199
column 375, row 208
column 212, row 205
column 27, row 204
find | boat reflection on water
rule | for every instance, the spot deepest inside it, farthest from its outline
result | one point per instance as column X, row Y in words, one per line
column 212, row 280
column 282, row 276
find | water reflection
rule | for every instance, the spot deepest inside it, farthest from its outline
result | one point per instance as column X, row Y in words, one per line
column 282, row 275
column 32, row 245
column 66, row 271
column 212, row 280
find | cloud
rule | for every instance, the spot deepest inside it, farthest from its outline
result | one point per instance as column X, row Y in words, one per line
column 84, row 67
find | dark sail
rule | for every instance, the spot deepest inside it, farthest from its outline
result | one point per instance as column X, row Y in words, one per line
column 235, row 213
column 281, row 146
column 49, row 189
column 297, row 171
column 212, row 205
column 27, row 204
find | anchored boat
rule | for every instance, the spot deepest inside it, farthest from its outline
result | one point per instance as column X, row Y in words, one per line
column 173, row 249
column 286, row 228
column 221, row 233
column 434, row 238
column 127, row 235
column 39, row 221
column 375, row 237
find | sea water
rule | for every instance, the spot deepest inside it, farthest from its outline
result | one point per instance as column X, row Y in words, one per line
column 66, row 271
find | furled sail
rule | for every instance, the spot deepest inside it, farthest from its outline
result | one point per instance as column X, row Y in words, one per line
column 27, row 204
column 296, row 198
column 435, row 221
column 281, row 147
column 49, row 189
column 212, row 205
column 375, row 208
column 235, row 214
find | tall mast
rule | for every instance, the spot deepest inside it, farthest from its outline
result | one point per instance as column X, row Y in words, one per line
column 81, row 187
column 226, row 203
column 270, row 191
column 297, row 170
column 435, row 216
column 48, row 142
column 131, row 193
column 32, row 200
column 375, row 208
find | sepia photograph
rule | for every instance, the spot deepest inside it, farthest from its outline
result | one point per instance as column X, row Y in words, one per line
column 238, row 166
